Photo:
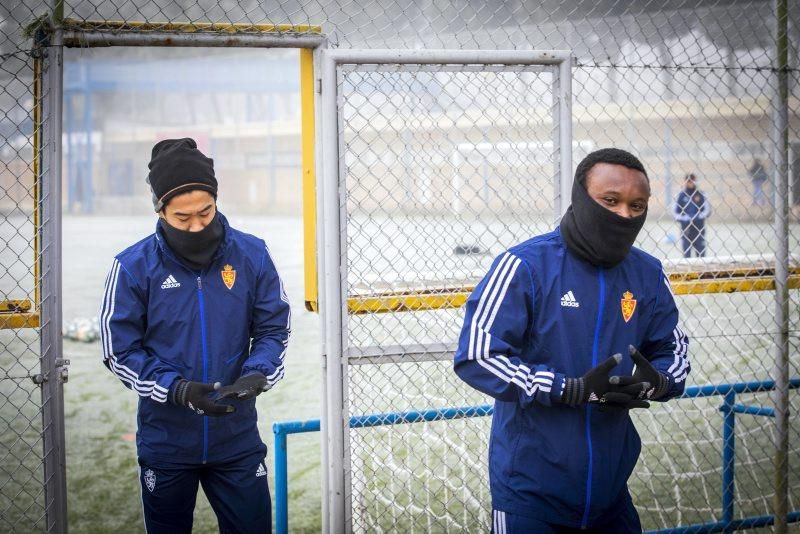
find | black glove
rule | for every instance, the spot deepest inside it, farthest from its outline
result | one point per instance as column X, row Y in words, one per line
column 194, row 395
column 592, row 386
column 657, row 383
column 614, row 400
column 246, row 387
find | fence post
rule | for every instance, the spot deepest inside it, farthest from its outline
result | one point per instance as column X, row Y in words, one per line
column 728, row 456
column 780, row 130
column 53, row 365
column 333, row 305
column 281, row 480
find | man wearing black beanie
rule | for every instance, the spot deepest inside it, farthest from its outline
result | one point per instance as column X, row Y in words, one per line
column 196, row 321
column 568, row 332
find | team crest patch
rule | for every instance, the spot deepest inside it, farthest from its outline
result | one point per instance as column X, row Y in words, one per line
column 628, row 304
column 150, row 480
column 228, row 276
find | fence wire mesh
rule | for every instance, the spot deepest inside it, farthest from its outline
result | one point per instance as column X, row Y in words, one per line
column 22, row 453
column 444, row 167
column 436, row 189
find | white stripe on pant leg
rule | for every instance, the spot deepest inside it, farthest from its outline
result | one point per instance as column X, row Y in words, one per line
column 502, row 522
column 141, row 497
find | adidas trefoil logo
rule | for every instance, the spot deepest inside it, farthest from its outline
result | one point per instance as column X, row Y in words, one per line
column 170, row 282
column 569, row 301
column 261, row 472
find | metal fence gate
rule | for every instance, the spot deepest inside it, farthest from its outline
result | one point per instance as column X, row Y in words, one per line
column 412, row 145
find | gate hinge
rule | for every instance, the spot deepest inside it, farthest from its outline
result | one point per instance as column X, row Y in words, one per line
column 62, row 371
column 62, row 364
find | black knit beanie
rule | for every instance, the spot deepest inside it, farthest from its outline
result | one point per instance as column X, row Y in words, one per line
column 176, row 167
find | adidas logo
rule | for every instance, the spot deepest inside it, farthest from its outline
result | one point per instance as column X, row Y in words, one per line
column 261, row 472
column 569, row 301
column 593, row 397
column 170, row 282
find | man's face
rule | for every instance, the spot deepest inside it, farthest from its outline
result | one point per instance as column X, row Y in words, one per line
column 619, row 189
column 190, row 211
column 691, row 184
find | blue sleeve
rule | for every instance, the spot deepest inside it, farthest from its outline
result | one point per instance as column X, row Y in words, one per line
column 496, row 328
column 123, row 319
column 665, row 344
column 270, row 324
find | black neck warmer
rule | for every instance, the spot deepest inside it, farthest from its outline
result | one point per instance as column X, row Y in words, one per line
column 195, row 249
column 596, row 234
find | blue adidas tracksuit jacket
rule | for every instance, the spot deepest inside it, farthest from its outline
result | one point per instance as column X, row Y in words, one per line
column 540, row 315
column 161, row 320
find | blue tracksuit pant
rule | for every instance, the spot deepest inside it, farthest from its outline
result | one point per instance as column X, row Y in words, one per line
column 624, row 521
column 237, row 490
column 693, row 237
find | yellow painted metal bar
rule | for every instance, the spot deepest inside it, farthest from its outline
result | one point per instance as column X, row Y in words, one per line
column 307, row 132
column 19, row 320
column 14, row 306
column 16, row 314
column 730, row 285
column 455, row 299
column 187, row 27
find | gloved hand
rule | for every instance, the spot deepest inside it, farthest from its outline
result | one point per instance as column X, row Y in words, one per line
column 644, row 372
column 194, row 395
column 592, row 386
column 625, row 401
column 245, row 387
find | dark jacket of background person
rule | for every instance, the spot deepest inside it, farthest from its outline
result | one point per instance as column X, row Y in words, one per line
column 691, row 210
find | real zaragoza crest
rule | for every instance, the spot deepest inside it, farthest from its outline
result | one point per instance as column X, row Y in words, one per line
column 150, row 480
column 228, row 276
column 628, row 304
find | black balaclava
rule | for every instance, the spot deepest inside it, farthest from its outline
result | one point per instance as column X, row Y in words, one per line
column 195, row 249
column 594, row 233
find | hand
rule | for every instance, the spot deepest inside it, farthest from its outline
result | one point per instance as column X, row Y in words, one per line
column 592, row 386
column 644, row 372
column 194, row 395
column 246, row 387
column 617, row 400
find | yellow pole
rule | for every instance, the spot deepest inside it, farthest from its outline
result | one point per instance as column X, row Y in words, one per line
column 309, row 178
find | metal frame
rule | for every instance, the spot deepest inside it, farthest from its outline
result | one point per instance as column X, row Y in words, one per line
column 53, row 372
column 780, row 132
column 48, row 89
column 335, row 305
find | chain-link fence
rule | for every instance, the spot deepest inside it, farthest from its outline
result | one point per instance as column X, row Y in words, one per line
column 442, row 171
column 31, row 495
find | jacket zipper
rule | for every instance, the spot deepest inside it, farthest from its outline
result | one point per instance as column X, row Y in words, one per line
column 205, row 359
column 595, row 348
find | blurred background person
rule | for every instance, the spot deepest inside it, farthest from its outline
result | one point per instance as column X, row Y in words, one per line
column 758, row 175
column 691, row 210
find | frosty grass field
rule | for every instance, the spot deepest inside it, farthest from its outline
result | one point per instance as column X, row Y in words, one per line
column 680, row 464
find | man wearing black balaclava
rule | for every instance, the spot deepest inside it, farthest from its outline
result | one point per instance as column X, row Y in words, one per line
column 196, row 321
column 568, row 331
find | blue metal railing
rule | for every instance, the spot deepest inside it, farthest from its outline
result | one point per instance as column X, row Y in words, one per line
column 729, row 410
